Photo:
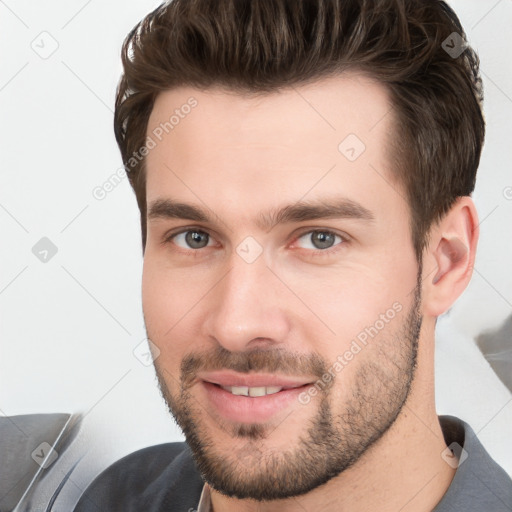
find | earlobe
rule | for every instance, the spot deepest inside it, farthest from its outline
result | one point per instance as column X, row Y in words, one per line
column 451, row 252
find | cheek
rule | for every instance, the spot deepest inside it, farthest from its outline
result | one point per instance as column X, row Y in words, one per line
column 370, row 344
column 168, row 299
column 353, row 301
column 353, row 293
column 168, row 305
column 157, row 300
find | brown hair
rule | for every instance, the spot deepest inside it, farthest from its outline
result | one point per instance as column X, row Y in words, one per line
column 258, row 46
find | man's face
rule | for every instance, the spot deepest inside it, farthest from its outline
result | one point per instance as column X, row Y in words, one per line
column 246, row 301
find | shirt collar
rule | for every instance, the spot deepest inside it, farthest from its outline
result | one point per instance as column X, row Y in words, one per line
column 205, row 504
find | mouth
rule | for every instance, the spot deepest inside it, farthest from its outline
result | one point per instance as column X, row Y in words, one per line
column 249, row 398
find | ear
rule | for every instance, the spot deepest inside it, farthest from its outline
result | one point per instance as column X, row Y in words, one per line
column 449, row 257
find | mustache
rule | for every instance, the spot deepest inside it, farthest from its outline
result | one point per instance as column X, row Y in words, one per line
column 269, row 361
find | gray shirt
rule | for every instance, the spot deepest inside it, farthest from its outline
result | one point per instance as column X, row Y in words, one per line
column 479, row 483
column 165, row 478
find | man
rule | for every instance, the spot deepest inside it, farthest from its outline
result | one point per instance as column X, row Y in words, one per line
column 303, row 171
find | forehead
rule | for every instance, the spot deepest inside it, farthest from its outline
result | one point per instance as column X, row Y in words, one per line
column 217, row 145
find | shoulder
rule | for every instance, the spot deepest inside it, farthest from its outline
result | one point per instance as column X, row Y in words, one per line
column 151, row 479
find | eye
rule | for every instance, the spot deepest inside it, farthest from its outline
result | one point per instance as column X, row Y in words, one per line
column 319, row 240
column 192, row 239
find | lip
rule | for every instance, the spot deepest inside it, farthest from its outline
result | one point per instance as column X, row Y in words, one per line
column 247, row 409
column 230, row 378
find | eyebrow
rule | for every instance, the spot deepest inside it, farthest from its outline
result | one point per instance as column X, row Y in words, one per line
column 336, row 208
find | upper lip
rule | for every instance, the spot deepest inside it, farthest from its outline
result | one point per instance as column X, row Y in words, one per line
column 230, row 378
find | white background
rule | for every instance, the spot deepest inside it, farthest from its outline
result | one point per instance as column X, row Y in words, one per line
column 68, row 327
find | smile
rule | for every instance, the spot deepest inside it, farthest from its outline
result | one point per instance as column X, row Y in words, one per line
column 250, row 398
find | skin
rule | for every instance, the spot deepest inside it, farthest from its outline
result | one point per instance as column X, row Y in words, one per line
column 238, row 156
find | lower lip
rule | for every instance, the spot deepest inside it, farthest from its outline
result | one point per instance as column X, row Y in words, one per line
column 248, row 409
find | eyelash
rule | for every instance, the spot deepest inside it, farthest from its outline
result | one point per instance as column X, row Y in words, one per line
column 312, row 252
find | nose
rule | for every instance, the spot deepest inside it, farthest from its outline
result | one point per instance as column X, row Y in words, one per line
column 247, row 308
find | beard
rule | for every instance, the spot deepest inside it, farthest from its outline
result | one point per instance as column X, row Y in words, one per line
column 332, row 441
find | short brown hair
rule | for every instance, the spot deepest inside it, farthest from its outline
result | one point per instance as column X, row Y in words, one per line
column 259, row 46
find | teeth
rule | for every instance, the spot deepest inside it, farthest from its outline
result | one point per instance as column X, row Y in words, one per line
column 239, row 390
column 256, row 391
